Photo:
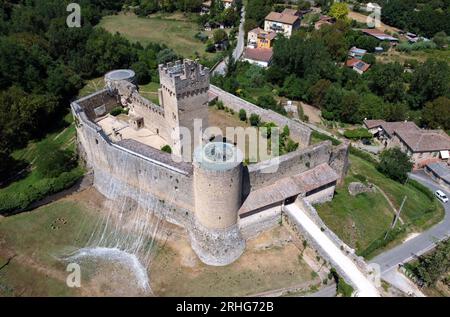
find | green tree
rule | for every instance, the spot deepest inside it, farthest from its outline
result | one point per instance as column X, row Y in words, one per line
column 55, row 162
column 436, row 113
column 242, row 115
column 339, row 10
column 142, row 71
column 167, row 149
column 395, row 164
column 255, row 120
column 220, row 36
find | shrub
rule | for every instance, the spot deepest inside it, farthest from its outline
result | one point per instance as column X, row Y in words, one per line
column 363, row 155
column 220, row 105
column 242, row 115
column 255, row 120
column 116, row 111
column 55, row 162
column 324, row 137
column 166, row 148
column 358, row 134
column 382, row 242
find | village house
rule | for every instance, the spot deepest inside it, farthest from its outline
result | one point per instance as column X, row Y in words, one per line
column 355, row 52
column 423, row 146
column 258, row 56
column 380, row 36
column 357, row 65
column 258, row 38
column 283, row 23
column 324, row 20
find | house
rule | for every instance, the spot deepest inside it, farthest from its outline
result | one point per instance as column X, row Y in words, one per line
column 423, row 146
column 228, row 3
column 357, row 65
column 380, row 35
column 373, row 7
column 258, row 38
column 281, row 23
column 206, row 7
column 324, row 20
column 258, row 56
column 356, row 53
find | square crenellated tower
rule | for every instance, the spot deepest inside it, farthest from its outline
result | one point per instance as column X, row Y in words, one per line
column 184, row 96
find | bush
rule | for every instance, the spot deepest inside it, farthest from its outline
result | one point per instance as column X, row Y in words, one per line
column 382, row 242
column 358, row 134
column 19, row 201
column 166, row 148
column 116, row 111
column 55, row 162
column 363, row 155
column 242, row 115
column 255, row 120
column 220, row 105
column 324, row 137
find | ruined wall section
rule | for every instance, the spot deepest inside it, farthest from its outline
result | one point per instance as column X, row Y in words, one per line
column 299, row 132
column 339, row 160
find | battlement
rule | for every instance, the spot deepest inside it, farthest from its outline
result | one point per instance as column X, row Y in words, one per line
column 180, row 77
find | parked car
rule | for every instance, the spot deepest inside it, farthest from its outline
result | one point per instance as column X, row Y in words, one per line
column 441, row 196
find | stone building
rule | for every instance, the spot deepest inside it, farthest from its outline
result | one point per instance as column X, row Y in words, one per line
column 219, row 201
column 283, row 23
column 423, row 146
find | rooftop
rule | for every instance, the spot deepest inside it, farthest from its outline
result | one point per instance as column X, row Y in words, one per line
column 390, row 127
column 379, row 35
column 259, row 54
column 441, row 170
column 289, row 187
column 282, row 18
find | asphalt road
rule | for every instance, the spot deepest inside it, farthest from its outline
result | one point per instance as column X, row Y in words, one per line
column 220, row 69
column 423, row 242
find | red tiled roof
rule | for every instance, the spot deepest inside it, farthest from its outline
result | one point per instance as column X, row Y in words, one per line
column 282, row 18
column 424, row 141
column 259, row 54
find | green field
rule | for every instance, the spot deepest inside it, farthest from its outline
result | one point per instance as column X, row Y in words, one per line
column 178, row 34
column 362, row 219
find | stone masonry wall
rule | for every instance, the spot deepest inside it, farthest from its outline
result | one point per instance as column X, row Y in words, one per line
column 299, row 132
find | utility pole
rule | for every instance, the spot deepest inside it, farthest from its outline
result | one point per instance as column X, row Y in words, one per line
column 396, row 217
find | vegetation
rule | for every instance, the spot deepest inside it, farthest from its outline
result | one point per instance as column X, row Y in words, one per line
column 166, row 148
column 242, row 115
column 342, row 288
column 362, row 221
column 357, row 134
column 395, row 164
column 434, row 266
column 255, row 120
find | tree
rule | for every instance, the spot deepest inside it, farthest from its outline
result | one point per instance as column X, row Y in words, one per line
column 436, row 114
column 387, row 80
column 242, row 115
column 255, row 120
column 318, row 91
column 430, row 81
column 441, row 39
column 339, row 10
column 219, row 36
column 55, row 162
column 142, row 71
column 166, row 55
column 395, row 164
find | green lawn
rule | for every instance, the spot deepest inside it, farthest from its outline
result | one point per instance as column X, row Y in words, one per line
column 362, row 219
column 176, row 33
column 38, row 238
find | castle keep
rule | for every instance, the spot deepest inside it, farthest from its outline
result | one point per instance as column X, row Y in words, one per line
column 219, row 201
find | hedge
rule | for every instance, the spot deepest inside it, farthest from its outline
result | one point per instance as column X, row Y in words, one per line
column 324, row 137
column 381, row 242
column 421, row 188
column 358, row 134
column 13, row 202
column 363, row 155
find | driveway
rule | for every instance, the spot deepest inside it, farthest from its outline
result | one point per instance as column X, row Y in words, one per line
column 221, row 68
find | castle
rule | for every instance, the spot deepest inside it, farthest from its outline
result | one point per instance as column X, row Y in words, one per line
column 218, row 199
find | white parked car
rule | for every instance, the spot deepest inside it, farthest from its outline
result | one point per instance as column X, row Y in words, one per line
column 441, row 196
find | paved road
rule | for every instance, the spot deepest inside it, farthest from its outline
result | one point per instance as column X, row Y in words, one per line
column 329, row 291
column 220, row 69
column 422, row 243
column 364, row 287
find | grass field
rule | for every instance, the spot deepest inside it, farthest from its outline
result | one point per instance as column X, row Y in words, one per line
column 420, row 56
column 362, row 219
column 176, row 33
column 35, row 241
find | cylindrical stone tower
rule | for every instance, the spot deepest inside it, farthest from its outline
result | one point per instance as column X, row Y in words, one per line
column 218, row 176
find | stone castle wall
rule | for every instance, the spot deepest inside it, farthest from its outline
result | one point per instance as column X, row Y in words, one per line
column 299, row 132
